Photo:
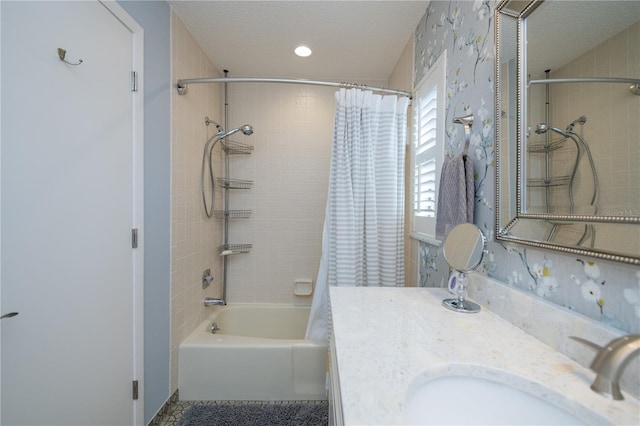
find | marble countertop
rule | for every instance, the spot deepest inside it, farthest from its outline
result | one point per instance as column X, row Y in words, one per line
column 390, row 340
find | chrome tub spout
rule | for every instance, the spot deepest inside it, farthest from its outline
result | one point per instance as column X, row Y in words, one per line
column 209, row 301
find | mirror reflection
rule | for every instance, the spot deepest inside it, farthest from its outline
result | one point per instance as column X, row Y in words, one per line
column 581, row 138
column 579, row 142
column 463, row 247
column 463, row 250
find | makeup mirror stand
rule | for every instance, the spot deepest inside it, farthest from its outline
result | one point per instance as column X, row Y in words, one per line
column 459, row 304
column 463, row 250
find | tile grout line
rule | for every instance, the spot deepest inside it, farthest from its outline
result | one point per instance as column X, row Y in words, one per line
column 156, row 421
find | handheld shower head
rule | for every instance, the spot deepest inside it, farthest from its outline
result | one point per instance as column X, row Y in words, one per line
column 246, row 129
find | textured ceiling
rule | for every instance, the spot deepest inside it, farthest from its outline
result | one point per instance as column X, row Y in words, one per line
column 356, row 41
column 559, row 31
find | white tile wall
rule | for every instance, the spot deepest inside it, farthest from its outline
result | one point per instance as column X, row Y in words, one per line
column 612, row 113
column 194, row 238
column 611, row 130
column 293, row 130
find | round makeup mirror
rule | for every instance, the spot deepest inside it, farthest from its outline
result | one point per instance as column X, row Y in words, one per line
column 463, row 247
column 463, row 251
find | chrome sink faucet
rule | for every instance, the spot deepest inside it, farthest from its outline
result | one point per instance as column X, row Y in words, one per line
column 209, row 301
column 610, row 362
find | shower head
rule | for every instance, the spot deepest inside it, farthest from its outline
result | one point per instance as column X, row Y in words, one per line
column 580, row 120
column 542, row 128
column 247, row 129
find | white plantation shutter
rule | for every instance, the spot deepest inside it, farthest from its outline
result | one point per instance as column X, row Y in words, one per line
column 425, row 163
column 428, row 146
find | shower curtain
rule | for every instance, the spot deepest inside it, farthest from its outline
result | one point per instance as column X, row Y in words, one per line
column 363, row 234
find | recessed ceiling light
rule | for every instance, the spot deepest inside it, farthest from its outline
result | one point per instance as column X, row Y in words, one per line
column 302, row 51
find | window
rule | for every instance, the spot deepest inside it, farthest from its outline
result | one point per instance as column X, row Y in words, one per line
column 428, row 148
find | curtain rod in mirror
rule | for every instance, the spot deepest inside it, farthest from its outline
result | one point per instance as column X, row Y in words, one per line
column 634, row 82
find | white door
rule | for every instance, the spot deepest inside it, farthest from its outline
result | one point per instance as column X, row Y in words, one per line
column 68, row 209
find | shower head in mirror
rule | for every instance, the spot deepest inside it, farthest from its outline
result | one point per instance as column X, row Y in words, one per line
column 580, row 120
column 542, row 128
column 246, row 129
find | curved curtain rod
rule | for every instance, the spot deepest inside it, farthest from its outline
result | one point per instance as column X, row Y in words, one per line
column 183, row 84
column 634, row 88
column 587, row 80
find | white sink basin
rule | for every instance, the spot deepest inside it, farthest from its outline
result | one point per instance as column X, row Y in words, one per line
column 460, row 400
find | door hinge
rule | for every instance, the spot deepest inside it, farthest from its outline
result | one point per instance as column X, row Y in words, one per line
column 134, row 238
column 135, row 389
column 134, row 81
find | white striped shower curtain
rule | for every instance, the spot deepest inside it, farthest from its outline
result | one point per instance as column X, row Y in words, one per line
column 362, row 243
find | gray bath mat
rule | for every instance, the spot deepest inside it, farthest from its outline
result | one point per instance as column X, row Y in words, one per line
column 257, row 414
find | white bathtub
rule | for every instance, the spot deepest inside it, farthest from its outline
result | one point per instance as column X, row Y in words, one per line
column 259, row 354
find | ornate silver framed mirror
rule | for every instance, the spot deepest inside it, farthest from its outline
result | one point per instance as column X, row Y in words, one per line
column 567, row 134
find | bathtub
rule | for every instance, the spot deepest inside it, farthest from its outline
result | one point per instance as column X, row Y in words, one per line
column 258, row 353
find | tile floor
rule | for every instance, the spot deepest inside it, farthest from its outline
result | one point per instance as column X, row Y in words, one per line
column 173, row 413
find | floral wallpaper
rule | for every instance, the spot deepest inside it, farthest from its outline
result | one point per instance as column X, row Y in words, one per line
column 605, row 291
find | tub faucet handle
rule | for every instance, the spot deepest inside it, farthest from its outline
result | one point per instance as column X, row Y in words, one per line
column 207, row 278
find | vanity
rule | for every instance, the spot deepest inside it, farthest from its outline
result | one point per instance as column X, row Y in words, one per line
column 387, row 343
